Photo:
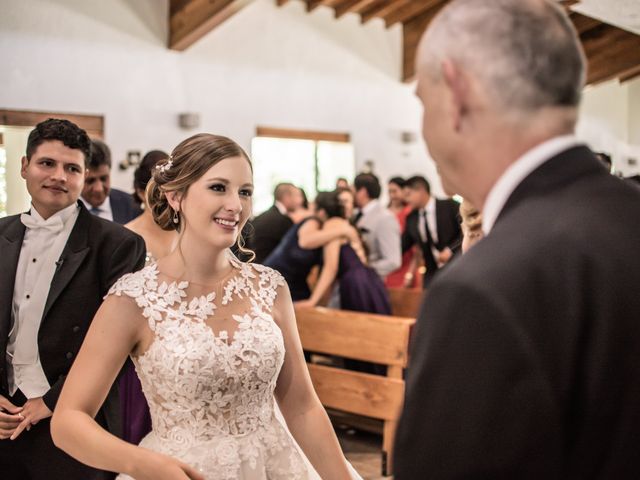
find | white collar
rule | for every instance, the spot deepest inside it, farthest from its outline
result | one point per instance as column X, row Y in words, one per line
column 104, row 207
column 369, row 206
column 64, row 214
column 281, row 208
column 517, row 172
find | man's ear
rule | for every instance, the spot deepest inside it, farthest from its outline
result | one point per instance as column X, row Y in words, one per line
column 23, row 168
column 459, row 88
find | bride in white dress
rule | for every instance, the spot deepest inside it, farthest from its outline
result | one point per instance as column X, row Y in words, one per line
column 214, row 342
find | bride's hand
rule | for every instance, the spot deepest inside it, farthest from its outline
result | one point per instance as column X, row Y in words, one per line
column 164, row 467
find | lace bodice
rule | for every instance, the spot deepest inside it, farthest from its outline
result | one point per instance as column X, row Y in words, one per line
column 210, row 372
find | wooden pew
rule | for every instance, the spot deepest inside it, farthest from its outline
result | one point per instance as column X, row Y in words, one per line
column 405, row 302
column 360, row 336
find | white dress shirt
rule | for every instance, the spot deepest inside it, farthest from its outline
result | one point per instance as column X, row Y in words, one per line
column 517, row 172
column 43, row 243
column 102, row 211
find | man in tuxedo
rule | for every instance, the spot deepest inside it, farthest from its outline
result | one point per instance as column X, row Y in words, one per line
column 58, row 261
column 433, row 224
column 524, row 360
column 97, row 194
column 269, row 227
column 378, row 226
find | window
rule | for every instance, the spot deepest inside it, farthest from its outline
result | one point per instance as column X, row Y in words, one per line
column 312, row 161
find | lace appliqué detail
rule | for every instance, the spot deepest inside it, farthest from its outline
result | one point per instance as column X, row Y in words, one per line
column 210, row 395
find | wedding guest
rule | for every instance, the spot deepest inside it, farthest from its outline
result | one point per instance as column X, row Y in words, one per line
column 136, row 419
column 433, row 225
column 98, row 195
column 58, row 262
column 405, row 275
column 471, row 225
column 301, row 248
column 159, row 242
column 378, row 226
column 269, row 227
column 524, row 361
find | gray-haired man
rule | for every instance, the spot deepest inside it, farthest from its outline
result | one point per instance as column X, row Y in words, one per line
column 525, row 357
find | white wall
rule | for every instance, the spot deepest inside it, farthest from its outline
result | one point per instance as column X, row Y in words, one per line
column 265, row 66
column 610, row 121
column 15, row 139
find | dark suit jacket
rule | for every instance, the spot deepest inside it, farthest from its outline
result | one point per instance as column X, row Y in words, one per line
column 268, row 229
column 97, row 253
column 525, row 359
column 123, row 208
column 449, row 234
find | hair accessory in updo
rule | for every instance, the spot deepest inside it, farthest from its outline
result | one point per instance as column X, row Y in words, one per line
column 165, row 166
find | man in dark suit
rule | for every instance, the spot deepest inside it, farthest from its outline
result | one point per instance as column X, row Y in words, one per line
column 433, row 224
column 268, row 228
column 525, row 358
column 97, row 194
column 58, row 261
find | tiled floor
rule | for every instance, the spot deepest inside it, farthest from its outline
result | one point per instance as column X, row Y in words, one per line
column 363, row 449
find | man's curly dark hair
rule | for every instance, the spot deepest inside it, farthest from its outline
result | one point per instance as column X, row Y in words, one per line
column 65, row 131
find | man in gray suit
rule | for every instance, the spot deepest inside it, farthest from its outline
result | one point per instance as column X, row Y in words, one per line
column 379, row 227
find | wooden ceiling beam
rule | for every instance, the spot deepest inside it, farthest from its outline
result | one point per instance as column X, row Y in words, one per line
column 383, row 9
column 351, row 6
column 620, row 57
column 582, row 23
column 313, row 4
column 610, row 52
column 190, row 20
column 411, row 33
column 412, row 10
column 630, row 74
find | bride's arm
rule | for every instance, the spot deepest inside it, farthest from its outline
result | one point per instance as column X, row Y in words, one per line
column 305, row 416
column 115, row 331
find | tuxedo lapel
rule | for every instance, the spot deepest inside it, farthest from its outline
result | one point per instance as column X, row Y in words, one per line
column 441, row 223
column 413, row 224
column 71, row 258
column 10, row 245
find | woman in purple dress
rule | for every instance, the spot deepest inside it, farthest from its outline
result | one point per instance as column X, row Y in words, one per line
column 361, row 289
column 136, row 419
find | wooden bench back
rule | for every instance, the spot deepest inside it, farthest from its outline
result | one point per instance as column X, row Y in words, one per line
column 359, row 336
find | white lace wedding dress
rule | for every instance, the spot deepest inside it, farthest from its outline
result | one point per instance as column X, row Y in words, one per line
column 210, row 373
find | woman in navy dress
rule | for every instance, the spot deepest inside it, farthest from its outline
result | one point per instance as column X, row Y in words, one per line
column 301, row 249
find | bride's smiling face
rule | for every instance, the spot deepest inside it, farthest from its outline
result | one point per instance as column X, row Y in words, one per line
column 217, row 205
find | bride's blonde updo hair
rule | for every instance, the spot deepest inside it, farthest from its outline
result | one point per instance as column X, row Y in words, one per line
column 189, row 161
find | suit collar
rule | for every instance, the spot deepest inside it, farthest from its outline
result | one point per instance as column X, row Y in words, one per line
column 280, row 208
column 517, row 172
column 558, row 172
column 10, row 246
